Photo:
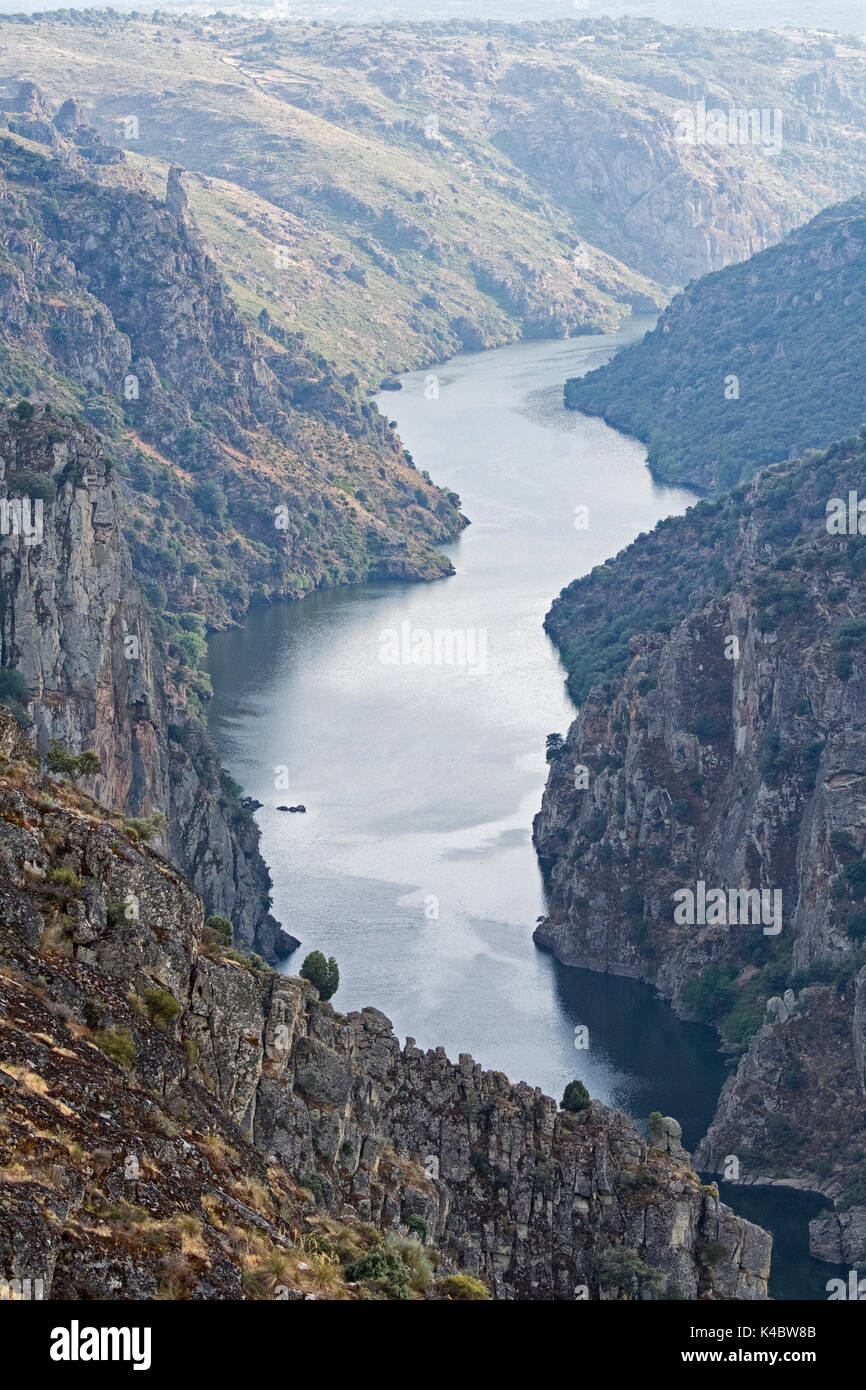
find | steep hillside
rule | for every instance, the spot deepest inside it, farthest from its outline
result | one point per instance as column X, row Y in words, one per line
column 250, row 469
column 179, row 1124
column 720, row 744
column 750, row 363
column 399, row 193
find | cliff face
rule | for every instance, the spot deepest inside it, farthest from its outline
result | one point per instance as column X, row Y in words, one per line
column 257, row 1123
column 747, row 363
column 728, row 755
column 73, row 623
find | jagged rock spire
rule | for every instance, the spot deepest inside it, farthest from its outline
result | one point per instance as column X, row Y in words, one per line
column 175, row 193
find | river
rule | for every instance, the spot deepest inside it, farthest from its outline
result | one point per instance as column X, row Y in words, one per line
column 413, row 864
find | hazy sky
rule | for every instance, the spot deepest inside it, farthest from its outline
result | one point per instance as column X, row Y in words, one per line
column 847, row 16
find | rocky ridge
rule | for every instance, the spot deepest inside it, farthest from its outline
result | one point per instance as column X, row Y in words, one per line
column 177, row 1123
column 749, row 363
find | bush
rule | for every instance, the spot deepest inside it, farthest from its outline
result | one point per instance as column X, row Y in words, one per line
column 621, row 1268
column 221, row 928
column 414, row 1257
column 576, row 1097
column 24, row 410
column 323, row 974
column 209, row 497
column 416, row 1224
column 464, row 1288
column 118, row 1044
column 843, row 665
column 66, row 878
column 161, row 1006
column 145, row 828
column 36, row 486
column 383, row 1271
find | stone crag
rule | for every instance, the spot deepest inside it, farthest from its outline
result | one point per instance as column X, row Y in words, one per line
column 252, row 1116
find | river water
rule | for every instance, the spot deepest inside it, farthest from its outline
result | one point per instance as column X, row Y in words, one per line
column 413, row 864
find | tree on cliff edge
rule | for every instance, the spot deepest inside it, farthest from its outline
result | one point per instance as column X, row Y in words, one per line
column 324, row 974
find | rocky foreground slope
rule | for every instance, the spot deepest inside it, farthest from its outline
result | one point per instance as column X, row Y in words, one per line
column 178, row 1123
column 748, row 363
column 719, row 749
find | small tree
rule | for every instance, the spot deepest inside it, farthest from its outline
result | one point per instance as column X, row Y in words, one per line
column 555, row 747
column 576, row 1097
column 72, row 765
column 209, row 497
column 221, row 928
column 324, row 974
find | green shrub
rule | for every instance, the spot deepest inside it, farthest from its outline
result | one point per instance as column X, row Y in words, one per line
column 622, row 1268
column 712, row 1252
column 417, row 1225
column 209, row 497
column 26, row 483
column 464, row 1288
column 221, row 928
column 141, row 828
column 414, row 1257
column 843, row 665
column 161, row 1006
column 118, row 1044
column 64, row 763
column 576, row 1097
column 65, row 878
column 383, row 1271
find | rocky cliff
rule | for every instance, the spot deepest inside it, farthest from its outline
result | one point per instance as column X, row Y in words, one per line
column 703, row 824
column 177, row 1123
column 74, row 625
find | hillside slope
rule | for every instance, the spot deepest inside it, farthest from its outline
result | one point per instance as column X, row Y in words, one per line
column 231, row 444
column 749, row 363
column 399, row 193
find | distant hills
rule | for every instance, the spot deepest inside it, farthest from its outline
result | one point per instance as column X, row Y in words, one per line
column 749, row 363
column 401, row 193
